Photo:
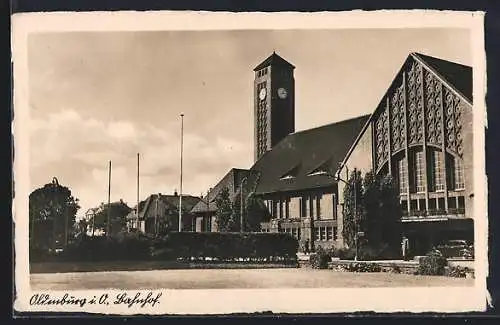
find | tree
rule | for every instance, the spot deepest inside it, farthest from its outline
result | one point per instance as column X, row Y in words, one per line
column 382, row 210
column 52, row 215
column 352, row 221
column 257, row 212
column 224, row 213
column 118, row 212
column 378, row 210
column 82, row 227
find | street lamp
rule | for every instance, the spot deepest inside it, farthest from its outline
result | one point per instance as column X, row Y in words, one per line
column 208, row 226
column 244, row 180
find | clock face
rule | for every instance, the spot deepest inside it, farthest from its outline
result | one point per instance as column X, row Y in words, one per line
column 262, row 93
column 282, row 93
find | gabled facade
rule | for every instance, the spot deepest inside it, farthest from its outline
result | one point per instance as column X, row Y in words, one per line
column 235, row 181
column 160, row 213
column 421, row 134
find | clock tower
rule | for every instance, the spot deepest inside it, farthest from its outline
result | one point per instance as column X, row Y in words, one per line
column 274, row 103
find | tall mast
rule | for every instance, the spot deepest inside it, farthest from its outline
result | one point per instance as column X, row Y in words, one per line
column 180, row 194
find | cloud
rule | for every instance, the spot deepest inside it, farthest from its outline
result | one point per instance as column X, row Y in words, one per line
column 77, row 151
column 121, row 129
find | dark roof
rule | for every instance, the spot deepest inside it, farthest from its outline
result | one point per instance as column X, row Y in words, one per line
column 458, row 76
column 172, row 201
column 275, row 60
column 304, row 153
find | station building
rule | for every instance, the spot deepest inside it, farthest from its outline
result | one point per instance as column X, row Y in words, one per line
column 420, row 133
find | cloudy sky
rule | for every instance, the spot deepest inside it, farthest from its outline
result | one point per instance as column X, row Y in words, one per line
column 96, row 97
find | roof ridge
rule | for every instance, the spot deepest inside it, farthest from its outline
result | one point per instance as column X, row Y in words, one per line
column 330, row 124
column 421, row 58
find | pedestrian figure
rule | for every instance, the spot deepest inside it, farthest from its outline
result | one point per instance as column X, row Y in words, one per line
column 405, row 245
column 306, row 247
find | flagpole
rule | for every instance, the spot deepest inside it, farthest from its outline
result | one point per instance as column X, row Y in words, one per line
column 180, row 194
column 109, row 198
column 137, row 209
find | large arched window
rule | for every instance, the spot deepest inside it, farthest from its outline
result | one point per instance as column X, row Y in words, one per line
column 436, row 171
column 455, row 168
column 416, row 174
column 402, row 169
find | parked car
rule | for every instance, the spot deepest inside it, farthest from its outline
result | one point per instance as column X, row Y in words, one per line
column 456, row 248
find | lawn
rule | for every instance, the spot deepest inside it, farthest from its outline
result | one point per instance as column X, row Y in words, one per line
column 234, row 278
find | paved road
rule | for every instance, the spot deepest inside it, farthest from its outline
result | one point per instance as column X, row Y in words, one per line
column 224, row 279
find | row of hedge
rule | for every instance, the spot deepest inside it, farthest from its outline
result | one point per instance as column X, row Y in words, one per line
column 179, row 245
column 431, row 264
column 321, row 257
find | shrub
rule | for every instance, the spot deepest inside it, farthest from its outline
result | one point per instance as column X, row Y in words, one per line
column 231, row 246
column 432, row 264
column 395, row 269
column 367, row 253
column 458, row 271
column 363, row 267
column 175, row 245
column 320, row 259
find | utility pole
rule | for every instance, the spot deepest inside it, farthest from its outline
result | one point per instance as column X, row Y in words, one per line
column 93, row 222
column 156, row 216
column 109, row 200
column 180, row 194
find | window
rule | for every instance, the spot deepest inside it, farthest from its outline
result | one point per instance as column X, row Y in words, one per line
column 421, row 205
column 323, row 233
column 437, row 170
column 305, row 202
column 403, row 176
column 455, row 173
column 419, row 171
column 301, row 208
column 296, row 232
column 459, row 174
column 404, row 205
column 311, row 207
column 275, row 209
column 452, row 203
column 413, row 205
column 432, row 204
column 330, row 233
column 294, row 207
column 440, row 203
column 326, row 206
column 318, row 206
column 334, row 206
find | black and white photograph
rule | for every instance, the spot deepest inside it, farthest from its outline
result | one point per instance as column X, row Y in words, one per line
column 213, row 163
